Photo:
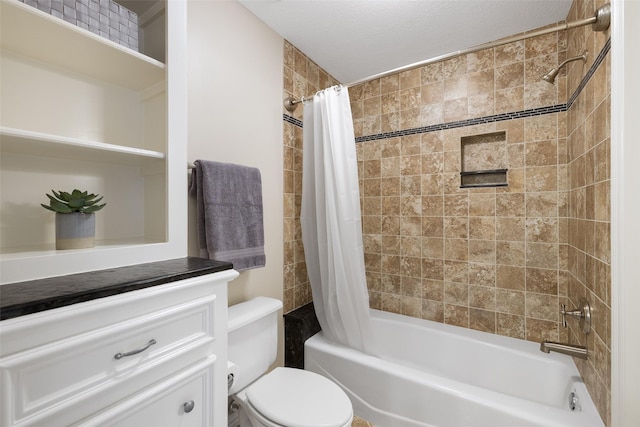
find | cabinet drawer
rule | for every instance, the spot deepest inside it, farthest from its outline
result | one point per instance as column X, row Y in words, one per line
column 55, row 384
column 49, row 326
column 183, row 400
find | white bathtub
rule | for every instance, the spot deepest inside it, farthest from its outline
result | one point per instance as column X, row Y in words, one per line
column 431, row 374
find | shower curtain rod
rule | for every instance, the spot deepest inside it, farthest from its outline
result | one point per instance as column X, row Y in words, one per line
column 600, row 22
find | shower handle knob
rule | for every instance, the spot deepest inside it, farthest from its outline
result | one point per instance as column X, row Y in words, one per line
column 582, row 313
column 577, row 313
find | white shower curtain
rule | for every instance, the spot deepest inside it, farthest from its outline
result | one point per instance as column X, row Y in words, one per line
column 331, row 222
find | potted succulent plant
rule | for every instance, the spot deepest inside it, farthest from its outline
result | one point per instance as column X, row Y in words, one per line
column 75, row 218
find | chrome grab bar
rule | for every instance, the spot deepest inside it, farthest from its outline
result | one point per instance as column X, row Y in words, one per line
column 119, row 356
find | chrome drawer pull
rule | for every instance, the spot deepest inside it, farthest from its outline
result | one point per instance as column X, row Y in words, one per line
column 188, row 406
column 133, row 352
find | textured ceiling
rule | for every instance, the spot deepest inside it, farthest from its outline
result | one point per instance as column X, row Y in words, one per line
column 354, row 39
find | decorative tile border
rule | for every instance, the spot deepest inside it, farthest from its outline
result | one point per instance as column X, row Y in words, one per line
column 469, row 122
column 292, row 120
column 486, row 119
column 603, row 53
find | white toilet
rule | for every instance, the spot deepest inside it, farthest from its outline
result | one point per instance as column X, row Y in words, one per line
column 285, row 397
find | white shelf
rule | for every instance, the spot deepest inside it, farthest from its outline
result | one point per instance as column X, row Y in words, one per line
column 31, row 263
column 22, row 141
column 22, row 252
column 30, row 32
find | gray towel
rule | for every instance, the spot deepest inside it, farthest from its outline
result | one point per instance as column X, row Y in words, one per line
column 229, row 213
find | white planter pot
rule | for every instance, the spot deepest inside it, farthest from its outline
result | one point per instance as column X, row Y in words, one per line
column 75, row 230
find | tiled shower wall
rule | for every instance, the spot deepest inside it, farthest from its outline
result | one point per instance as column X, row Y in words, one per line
column 498, row 259
column 589, row 228
column 302, row 77
column 484, row 258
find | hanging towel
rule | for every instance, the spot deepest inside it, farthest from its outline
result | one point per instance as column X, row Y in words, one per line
column 229, row 213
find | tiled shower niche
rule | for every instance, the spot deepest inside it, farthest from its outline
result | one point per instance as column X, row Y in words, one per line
column 484, row 160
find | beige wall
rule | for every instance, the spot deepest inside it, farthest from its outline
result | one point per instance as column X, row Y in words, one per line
column 234, row 115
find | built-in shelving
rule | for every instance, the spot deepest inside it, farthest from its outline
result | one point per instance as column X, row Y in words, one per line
column 80, row 111
column 30, row 32
column 21, row 141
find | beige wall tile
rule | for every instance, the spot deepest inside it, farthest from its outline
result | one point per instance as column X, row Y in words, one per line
column 510, row 228
column 510, row 253
column 433, row 310
column 510, row 277
column 542, row 281
column 510, row 325
column 509, row 53
column 481, row 274
column 482, row 251
column 483, row 228
column 538, row 330
column 482, row 320
column 510, row 99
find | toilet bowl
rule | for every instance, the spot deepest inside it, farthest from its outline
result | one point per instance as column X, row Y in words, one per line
column 284, row 397
column 294, row 397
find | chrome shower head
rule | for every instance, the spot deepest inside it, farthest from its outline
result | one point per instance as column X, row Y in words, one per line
column 550, row 77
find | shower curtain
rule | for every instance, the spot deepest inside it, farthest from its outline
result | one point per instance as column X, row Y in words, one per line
column 331, row 222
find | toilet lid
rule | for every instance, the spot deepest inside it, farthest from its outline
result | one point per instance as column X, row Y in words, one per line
column 297, row 398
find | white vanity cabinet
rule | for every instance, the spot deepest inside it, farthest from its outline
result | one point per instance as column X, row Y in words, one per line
column 177, row 401
column 149, row 357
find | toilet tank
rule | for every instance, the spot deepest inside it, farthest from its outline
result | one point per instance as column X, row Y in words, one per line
column 252, row 334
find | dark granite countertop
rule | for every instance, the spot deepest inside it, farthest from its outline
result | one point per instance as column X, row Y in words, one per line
column 18, row 299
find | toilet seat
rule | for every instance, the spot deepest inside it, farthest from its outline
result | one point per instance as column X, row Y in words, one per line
column 297, row 398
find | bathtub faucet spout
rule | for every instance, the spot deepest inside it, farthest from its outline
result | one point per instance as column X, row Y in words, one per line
column 571, row 350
